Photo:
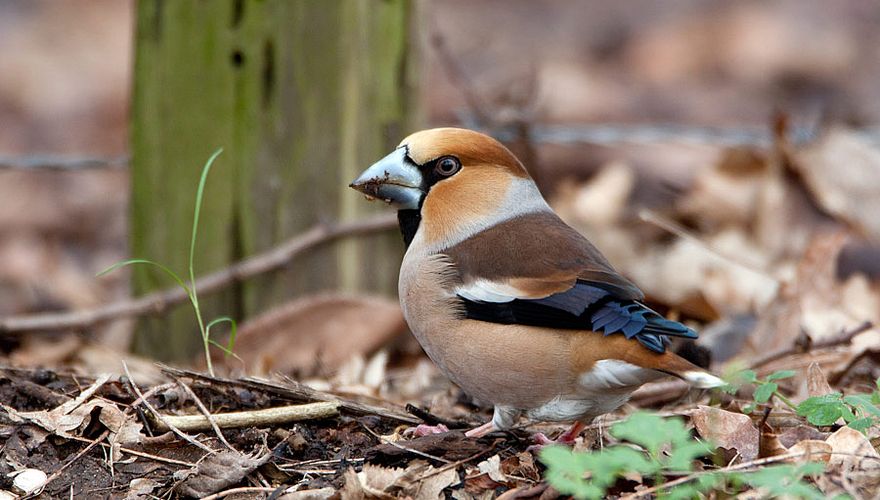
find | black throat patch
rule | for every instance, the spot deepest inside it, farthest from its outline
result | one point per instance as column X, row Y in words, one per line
column 408, row 220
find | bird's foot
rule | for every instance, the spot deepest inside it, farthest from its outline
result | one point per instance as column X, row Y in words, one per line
column 425, row 430
column 567, row 438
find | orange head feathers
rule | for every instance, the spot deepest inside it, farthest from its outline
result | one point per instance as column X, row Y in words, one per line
column 456, row 181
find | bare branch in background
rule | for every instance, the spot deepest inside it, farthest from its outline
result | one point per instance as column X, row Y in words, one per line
column 160, row 301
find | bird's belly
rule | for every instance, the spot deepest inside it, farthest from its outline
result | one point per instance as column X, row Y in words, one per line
column 578, row 407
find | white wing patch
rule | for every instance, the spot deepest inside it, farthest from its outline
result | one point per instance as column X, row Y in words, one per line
column 488, row 291
column 613, row 373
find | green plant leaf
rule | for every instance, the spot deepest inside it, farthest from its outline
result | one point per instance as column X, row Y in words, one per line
column 780, row 374
column 822, row 410
column 862, row 424
column 863, row 402
column 765, row 391
column 650, row 431
column 681, row 457
column 565, row 471
column 177, row 279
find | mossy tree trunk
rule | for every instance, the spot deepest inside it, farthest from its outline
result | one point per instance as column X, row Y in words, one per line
column 302, row 95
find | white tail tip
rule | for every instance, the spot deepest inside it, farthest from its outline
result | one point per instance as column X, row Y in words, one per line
column 703, row 380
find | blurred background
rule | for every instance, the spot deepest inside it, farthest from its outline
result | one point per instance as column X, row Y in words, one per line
column 726, row 156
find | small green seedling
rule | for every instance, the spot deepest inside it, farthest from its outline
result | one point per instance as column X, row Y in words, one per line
column 204, row 329
column 668, row 448
column 859, row 411
column 765, row 389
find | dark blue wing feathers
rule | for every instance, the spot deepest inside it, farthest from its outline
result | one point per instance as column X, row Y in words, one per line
column 585, row 306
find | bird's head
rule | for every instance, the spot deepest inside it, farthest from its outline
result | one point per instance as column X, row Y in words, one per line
column 456, row 181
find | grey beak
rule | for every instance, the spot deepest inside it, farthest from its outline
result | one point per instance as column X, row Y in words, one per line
column 392, row 179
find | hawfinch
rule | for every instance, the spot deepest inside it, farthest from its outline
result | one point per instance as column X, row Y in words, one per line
column 511, row 303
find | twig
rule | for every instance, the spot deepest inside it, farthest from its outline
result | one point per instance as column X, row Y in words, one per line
column 452, row 465
column 186, row 437
column 206, row 413
column 65, row 162
column 254, row 418
column 431, row 419
column 160, row 301
column 460, row 80
column 138, row 400
column 244, row 489
column 673, row 227
column 79, row 455
column 843, row 338
column 691, row 477
column 84, row 395
column 139, row 453
column 404, row 448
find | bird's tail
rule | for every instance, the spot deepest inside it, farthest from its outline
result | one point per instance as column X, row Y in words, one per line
column 677, row 366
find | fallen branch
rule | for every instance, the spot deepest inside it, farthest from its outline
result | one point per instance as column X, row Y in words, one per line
column 254, row 418
column 157, row 302
column 295, row 391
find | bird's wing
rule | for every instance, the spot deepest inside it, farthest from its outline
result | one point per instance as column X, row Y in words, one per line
column 536, row 270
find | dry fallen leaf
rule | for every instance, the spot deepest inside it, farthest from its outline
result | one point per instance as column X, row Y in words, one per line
column 733, row 431
column 817, row 382
column 418, row 480
column 492, row 467
column 853, row 456
column 141, row 488
column 317, row 494
column 813, row 450
column 842, row 171
column 318, row 332
column 218, row 472
column 770, row 446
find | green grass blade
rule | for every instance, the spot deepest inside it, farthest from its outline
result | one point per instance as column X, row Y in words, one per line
column 177, row 279
column 233, row 331
column 199, row 193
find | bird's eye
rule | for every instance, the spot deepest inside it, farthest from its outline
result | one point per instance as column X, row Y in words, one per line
column 447, row 166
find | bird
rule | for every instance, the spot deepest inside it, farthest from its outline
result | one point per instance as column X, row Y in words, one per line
column 511, row 303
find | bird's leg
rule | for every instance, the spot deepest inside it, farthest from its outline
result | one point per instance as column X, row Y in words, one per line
column 481, row 430
column 566, row 438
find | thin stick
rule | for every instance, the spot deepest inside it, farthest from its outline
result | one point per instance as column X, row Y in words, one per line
column 79, row 455
column 404, row 448
column 206, row 413
column 243, row 489
column 843, row 338
column 186, row 437
column 691, row 477
column 141, row 454
column 254, row 418
column 658, row 220
column 160, row 301
column 452, row 465
column 84, row 395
